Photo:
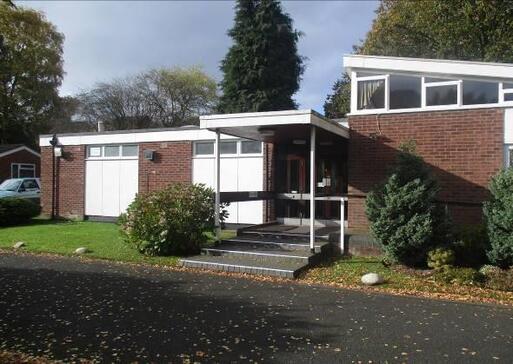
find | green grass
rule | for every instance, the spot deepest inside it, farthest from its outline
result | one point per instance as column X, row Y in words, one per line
column 63, row 237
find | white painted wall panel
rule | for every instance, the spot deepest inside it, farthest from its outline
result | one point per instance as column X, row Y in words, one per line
column 111, row 186
column 93, row 188
column 237, row 174
column 508, row 126
column 128, row 183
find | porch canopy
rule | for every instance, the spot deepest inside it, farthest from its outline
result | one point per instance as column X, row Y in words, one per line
column 276, row 127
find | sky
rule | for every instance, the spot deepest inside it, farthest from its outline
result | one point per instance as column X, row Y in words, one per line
column 113, row 39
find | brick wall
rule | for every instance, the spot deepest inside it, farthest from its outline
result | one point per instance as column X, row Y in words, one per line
column 70, row 182
column 22, row 156
column 173, row 163
column 463, row 148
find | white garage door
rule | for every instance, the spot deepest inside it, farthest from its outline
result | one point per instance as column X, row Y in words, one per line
column 112, row 174
column 242, row 169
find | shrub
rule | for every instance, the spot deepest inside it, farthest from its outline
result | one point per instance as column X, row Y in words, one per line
column 454, row 275
column 489, row 269
column 500, row 279
column 440, row 258
column 174, row 220
column 499, row 219
column 471, row 247
column 14, row 211
column 403, row 214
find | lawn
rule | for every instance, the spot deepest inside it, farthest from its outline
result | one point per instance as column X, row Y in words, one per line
column 63, row 237
column 347, row 272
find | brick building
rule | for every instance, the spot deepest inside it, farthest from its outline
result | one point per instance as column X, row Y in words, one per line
column 460, row 114
column 17, row 160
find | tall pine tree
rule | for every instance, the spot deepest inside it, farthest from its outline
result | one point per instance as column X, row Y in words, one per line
column 262, row 69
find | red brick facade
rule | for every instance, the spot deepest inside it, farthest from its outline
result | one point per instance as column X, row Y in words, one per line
column 70, row 182
column 22, row 156
column 463, row 148
column 172, row 163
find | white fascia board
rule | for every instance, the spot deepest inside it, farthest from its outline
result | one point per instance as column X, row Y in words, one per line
column 268, row 118
column 497, row 71
column 19, row 149
column 128, row 138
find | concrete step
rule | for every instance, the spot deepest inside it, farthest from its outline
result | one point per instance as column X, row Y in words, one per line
column 266, row 252
column 283, row 235
column 286, row 268
column 283, row 244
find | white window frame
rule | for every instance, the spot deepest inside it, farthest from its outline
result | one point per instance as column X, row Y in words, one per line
column 503, row 91
column 119, row 156
column 354, row 86
column 239, row 153
column 32, row 165
column 424, row 85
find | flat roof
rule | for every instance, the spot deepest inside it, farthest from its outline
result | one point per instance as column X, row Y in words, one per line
column 249, row 125
column 446, row 67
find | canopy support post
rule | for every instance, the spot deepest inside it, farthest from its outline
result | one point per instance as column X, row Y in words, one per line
column 217, row 183
column 312, row 188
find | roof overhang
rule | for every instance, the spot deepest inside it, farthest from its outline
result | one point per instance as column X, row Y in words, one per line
column 19, row 149
column 450, row 68
column 272, row 126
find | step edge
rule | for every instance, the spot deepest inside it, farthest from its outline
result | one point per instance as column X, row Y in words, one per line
column 238, row 266
column 306, row 245
column 258, row 254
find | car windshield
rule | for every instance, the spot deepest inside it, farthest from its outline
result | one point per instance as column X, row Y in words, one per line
column 10, row 185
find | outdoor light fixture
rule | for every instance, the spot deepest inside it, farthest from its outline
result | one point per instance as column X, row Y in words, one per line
column 299, row 142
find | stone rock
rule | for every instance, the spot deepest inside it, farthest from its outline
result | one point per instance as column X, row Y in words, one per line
column 371, row 279
column 18, row 245
column 81, row 250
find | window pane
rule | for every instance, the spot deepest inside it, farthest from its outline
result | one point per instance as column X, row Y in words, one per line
column 508, row 97
column 14, row 171
column 228, row 148
column 112, row 150
column 250, row 147
column 404, row 92
column 27, row 171
column 204, row 148
column 477, row 92
column 507, row 86
column 371, row 94
column 129, row 151
column 510, row 157
column 94, row 152
column 29, row 184
column 442, row 95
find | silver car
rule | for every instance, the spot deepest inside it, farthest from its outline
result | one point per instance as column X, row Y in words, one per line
column 21, row 187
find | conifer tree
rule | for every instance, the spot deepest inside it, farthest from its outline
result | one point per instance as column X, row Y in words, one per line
column 262, row 68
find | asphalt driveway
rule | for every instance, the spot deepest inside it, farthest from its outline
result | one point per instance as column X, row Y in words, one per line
column 68, row 309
